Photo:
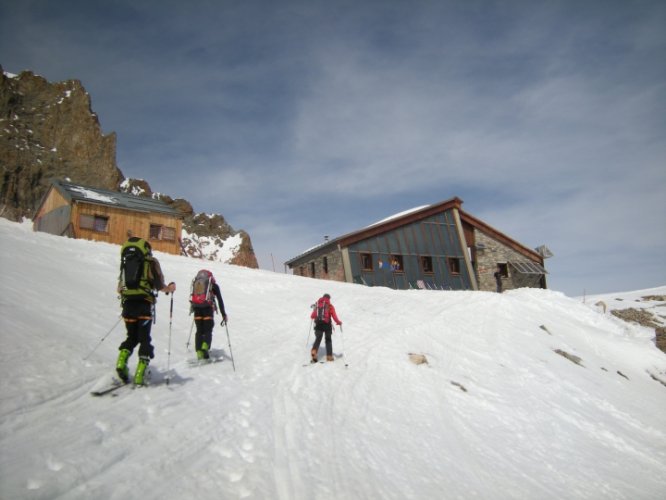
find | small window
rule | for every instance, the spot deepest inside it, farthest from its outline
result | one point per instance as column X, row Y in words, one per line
column 503, row 269
column 426, row 264
column 158, row 232
column 454, row 265
column 312, row 269
column 155, row 232
column 326, row 265
column 396, row 264
column 366, row 262
column 96, row 223
column 169, row 233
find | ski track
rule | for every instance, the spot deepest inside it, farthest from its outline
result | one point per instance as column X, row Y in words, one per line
column 531, row 423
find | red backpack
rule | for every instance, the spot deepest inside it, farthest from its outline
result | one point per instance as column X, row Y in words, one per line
column 324, row 310
column 202, row 289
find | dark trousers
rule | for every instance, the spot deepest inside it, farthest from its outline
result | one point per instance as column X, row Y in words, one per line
column 204, row 333
column 322, row 329
column 204, row 321
column 138, row 316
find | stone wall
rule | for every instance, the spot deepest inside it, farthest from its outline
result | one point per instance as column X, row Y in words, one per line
column 336, row 271
column 492, row 253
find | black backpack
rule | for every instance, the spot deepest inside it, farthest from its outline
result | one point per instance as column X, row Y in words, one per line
column 135, row 275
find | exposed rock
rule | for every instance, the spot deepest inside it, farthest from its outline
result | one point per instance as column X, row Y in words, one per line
column 418, row 359
column 49, row 131
column 571, row 357
column 208, row 238
column 655, row 298
column 204, row 236
column 640, row 316
column 661, row 338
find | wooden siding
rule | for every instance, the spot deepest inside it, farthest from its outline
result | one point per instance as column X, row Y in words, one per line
column 125, row 223
column 57, row 215
column 52, row 201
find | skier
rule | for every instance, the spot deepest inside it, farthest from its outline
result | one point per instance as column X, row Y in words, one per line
column 205, row 291
column 322, row 314
column 140, row 279
column 498, row 279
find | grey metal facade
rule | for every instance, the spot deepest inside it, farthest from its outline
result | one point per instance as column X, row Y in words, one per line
column 433, row 243
column 436, row 247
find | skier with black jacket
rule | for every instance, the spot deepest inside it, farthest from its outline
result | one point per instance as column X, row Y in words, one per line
column 140, row 280
column 205, row 291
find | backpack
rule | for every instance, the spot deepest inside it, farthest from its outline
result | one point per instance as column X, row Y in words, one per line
column 323, row 311
column 135, row 273
column 202, row 289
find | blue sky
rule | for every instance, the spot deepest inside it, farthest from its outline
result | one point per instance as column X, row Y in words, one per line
column 299, row 119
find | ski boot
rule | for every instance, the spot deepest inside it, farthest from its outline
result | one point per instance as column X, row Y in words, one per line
column 313, row 354
column 141, row 370
column 121, row 365
column 329, row 358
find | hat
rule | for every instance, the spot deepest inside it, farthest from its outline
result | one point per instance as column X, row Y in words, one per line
column 327, row 296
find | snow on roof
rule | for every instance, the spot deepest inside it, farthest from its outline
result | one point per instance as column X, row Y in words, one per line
column 94, row 195
column 398, row 215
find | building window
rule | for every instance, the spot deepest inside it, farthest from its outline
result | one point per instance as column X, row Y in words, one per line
column 366, row 262
column 396, row 264
column 312, row 269
column 169, row 233
column 158, row 232
column 503, row 269
column 454, row 265
column 326, row 265
column 426, row 264
column 96, row 223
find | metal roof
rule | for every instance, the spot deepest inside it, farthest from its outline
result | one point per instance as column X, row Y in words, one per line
column 417, row 214
column 382, row 226
column 528, row 267
column 97, row 196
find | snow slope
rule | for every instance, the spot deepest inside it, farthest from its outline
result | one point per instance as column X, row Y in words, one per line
column 529, row 424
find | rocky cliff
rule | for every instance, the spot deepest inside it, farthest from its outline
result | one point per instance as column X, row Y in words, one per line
column 49, row 131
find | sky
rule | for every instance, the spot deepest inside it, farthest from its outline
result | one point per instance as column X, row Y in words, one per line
column 496, row 413
column 298, row 120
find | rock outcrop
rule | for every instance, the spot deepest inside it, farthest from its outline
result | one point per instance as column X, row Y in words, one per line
column 49, row 131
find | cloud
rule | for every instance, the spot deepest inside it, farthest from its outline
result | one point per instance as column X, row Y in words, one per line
column 305, row 118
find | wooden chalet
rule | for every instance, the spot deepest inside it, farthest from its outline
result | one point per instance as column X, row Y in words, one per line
column 434, row 247
column 97, row 214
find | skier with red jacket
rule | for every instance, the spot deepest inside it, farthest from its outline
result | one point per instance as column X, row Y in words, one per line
column 322, row 314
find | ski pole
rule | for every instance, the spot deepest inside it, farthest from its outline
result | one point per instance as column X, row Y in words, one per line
column 342, row 339
column 190, row 336
column 231, row 353
column 102, row 339
column 168, row 377
column 307, row 342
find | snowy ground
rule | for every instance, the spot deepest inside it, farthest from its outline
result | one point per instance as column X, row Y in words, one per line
column 529, row 424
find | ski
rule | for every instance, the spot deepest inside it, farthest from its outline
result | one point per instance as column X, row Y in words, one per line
column 108, row 390
column 204, row 362
column 323, row 362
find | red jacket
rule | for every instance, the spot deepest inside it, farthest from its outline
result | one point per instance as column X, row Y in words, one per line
column 330, row 309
